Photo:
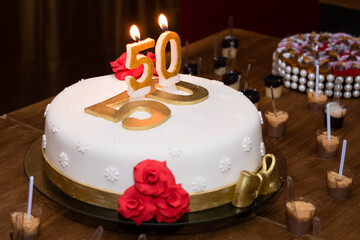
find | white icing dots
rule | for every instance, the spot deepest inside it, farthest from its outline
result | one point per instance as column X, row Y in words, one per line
column 47, row 110
column 262, row 148
column 44, row 141
column 174, row 150
column 225, row 164
column 199, row 184
column 216, row 83
column 261, row 118
column 82, row 145
column 247, row 144
column 111, row 174
column 63, row 159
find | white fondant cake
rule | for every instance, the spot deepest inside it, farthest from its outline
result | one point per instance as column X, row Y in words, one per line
column 205, row 145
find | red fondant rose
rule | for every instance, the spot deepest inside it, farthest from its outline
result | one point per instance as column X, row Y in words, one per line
column 152, row 177
column 120, row 70
column 136, row 206
column 173, row 205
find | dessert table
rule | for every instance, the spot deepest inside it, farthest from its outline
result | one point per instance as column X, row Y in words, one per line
column 339, row 219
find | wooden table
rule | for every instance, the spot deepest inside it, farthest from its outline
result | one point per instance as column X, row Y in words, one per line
column 340, row 219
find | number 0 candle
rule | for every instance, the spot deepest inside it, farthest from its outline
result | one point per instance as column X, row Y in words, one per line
column 137, row 89
column 168, row 77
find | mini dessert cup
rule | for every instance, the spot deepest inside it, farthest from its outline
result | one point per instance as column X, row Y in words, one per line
column 229, row 43
column 275, row 124
column 219, row 65
column 337, row 115
column 316, row 103
column 232, row 79
column 327, row 148
column 299, row 215
column 190, row 69
column 29, row 229
column 253, row 95
column 276, row 82
column 339, row 186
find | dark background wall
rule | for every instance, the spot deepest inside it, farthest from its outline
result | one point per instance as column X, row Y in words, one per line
column 47, row 45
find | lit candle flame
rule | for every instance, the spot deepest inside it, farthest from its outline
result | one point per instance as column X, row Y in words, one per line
column 135, row 33
column 163, row 22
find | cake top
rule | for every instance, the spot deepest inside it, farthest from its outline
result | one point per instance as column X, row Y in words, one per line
column 337, row 53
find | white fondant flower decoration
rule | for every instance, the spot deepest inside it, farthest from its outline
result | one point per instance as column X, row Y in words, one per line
column 63, row 159
column 111, row 174
column 225, row 164
column 262, row 148
column 82, row 145
column 44, row 141
column 174, row 150
column 199, row 184
column 247, row 144
column 55, row 128
column 47, row 110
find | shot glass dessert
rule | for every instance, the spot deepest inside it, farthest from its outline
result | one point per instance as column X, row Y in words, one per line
column 299, row 215
column 232, row 79
column 253, row 95
column 190, row 69
column 275, row 124
column 219, row 65
column 337, row 115
column 327, row 148
column 339, row 186
column 229, row 43
column 29, row 228
column 316, row 103
column 276, row 82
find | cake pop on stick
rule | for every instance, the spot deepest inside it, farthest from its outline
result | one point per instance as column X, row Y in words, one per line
column 273, row 101
column 215, row 47
column 316, row 227
column 97, row 234
column 231, row 77
column 328, row 121
column 230, row 42
column 30, row 196
column 290, row 186
column 231, row 24
column 190, row 68
column 342, row 161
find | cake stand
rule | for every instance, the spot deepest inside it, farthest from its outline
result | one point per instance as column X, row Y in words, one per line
column 204, row 220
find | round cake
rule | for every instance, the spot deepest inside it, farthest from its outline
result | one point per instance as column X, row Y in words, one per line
column 338, row 57
column 205, row 145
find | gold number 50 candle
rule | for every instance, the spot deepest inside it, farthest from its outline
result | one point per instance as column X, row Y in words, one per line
column 137, row 89
column 168, row 77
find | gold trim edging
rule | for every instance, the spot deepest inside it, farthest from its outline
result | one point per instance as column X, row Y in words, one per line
column 108, row 199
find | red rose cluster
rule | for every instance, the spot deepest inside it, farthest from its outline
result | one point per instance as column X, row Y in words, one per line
column 120, row 70
column 155, row 193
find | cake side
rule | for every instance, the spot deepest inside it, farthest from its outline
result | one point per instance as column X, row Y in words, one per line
column 205, row 145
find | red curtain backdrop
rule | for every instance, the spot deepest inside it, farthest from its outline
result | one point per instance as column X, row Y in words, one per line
column 279, row 18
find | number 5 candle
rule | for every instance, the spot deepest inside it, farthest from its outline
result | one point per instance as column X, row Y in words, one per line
column 168, row 77
column 137, row 89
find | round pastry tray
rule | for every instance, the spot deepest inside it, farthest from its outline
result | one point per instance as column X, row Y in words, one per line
column 33, row 167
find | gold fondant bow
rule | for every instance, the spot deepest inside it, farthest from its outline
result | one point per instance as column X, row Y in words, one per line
column 264, row 180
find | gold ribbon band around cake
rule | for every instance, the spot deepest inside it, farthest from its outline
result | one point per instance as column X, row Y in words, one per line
column 263, row 180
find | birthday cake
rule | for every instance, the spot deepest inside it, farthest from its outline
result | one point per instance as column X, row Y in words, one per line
column 205, row 145
column 338, row 57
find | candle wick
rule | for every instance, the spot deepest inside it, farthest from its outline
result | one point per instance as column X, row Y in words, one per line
column 137, row 39
column 165, row 29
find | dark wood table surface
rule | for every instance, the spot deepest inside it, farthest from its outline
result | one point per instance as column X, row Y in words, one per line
column 339, row 219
